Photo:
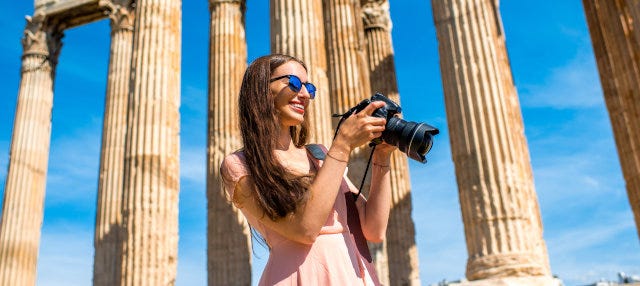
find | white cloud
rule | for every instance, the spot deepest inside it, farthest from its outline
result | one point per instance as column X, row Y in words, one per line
column 74, row 160
column 195, row 99
column 4, row 161
column 575, row 85
column 437, row 217
column 193, row 165
column 192, row 257
column 66, row 256
column 589, row 235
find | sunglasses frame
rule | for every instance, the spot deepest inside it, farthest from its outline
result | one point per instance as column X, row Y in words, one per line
column 311, row 88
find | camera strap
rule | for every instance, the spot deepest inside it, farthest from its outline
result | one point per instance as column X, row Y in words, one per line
column 372, row 145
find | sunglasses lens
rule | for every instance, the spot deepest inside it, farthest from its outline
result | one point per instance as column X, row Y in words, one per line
column 311, row 89
column 294, row 83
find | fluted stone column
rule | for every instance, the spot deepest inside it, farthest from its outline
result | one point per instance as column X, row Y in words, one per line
column 228, row 235
column 500, row 210
column 348, row 71
column 297, row 29
column 151, row 171
column 23, row 205
column 401, row 261
column 615, row 35
column 108, row 215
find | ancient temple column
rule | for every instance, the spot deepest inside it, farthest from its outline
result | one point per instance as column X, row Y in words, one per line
column 228, row 235
column 499, row 205
column 151, row 170
column 297, row 29
column 23, row 205
column 348, row 71
column 108, row 215
column 400, row 261
column 615, row 35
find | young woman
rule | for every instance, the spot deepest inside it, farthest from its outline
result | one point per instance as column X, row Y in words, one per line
column 296, row 202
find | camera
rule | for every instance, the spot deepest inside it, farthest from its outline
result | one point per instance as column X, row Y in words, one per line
column 412, row 138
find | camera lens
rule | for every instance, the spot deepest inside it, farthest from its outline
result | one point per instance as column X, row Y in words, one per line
column 413, row 138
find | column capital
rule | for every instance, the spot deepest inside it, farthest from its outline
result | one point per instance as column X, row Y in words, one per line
column 34, row 40
column 120, row 12
column 241, row 3
column 41, row 39
column 375, row 14
column 215, row 2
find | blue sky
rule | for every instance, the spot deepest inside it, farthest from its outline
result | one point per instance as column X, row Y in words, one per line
column 588, row 224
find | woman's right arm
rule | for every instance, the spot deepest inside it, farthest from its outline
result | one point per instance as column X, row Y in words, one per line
column 305, row 223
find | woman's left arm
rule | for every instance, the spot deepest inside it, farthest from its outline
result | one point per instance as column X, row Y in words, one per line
column 374, row 211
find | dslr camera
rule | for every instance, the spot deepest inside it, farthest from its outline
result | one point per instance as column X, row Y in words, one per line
column 412, row 138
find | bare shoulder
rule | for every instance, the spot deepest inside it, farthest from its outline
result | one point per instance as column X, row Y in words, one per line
column 233, row 161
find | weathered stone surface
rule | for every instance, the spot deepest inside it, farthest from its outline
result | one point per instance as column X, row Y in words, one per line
column 70, row 13
column 500, row 210
column 297, row 29
column 151, row 157
column 23, row 204
column 397, row 259
column 109, row 207
column 615, row 34
column 228, row 237
column 348, row 71
column 499, row 205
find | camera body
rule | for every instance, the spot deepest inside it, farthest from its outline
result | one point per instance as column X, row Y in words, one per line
column 413, row 138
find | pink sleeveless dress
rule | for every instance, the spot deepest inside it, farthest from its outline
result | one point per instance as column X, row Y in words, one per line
column 332, row 260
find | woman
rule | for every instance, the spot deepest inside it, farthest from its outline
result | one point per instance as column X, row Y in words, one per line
column 293, row 200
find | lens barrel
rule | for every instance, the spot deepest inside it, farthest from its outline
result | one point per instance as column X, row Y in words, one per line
column 413, row 138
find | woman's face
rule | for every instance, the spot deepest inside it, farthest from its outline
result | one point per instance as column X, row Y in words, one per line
column 290, row 105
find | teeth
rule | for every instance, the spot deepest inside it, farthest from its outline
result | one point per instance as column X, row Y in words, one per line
column 300, row 106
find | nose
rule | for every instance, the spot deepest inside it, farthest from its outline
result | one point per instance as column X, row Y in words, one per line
column 304, row 92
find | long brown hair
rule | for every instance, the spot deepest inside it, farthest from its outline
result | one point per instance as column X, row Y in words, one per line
column 278, row 192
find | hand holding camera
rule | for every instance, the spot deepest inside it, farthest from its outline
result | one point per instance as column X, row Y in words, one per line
column 360, row 127
column 412, row 138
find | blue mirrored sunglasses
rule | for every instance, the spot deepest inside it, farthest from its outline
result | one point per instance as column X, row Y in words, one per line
column 295, row 84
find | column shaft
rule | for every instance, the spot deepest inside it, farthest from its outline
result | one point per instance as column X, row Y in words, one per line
column 297, row 29
column 228, row 235
column 151, row 171
column 23, row 204
column 401, row 258
column 109, row 205
column 615, row 35
column 499, row 206
column 348, row 71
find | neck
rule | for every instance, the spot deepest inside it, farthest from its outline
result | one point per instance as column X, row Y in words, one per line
column 284, row 141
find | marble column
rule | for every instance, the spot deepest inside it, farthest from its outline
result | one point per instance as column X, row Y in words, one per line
column 401, row 261
column 149, row 231
column 499, row 205
column 347, row 70
column 23, row 205
column 228, row 235
column 615, row 34
column 297, row 29
column 109, row 206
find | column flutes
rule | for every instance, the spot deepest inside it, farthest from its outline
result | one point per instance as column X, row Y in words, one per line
column 108, row 214
column 615, row 35
column 297, row 29
column 348, row 71
column 151, row 171
column 499, row 206
column 401, row 261
column 23, row 205
column 228, row 235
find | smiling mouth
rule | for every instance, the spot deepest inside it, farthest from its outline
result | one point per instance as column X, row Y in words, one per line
column 297, row 107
